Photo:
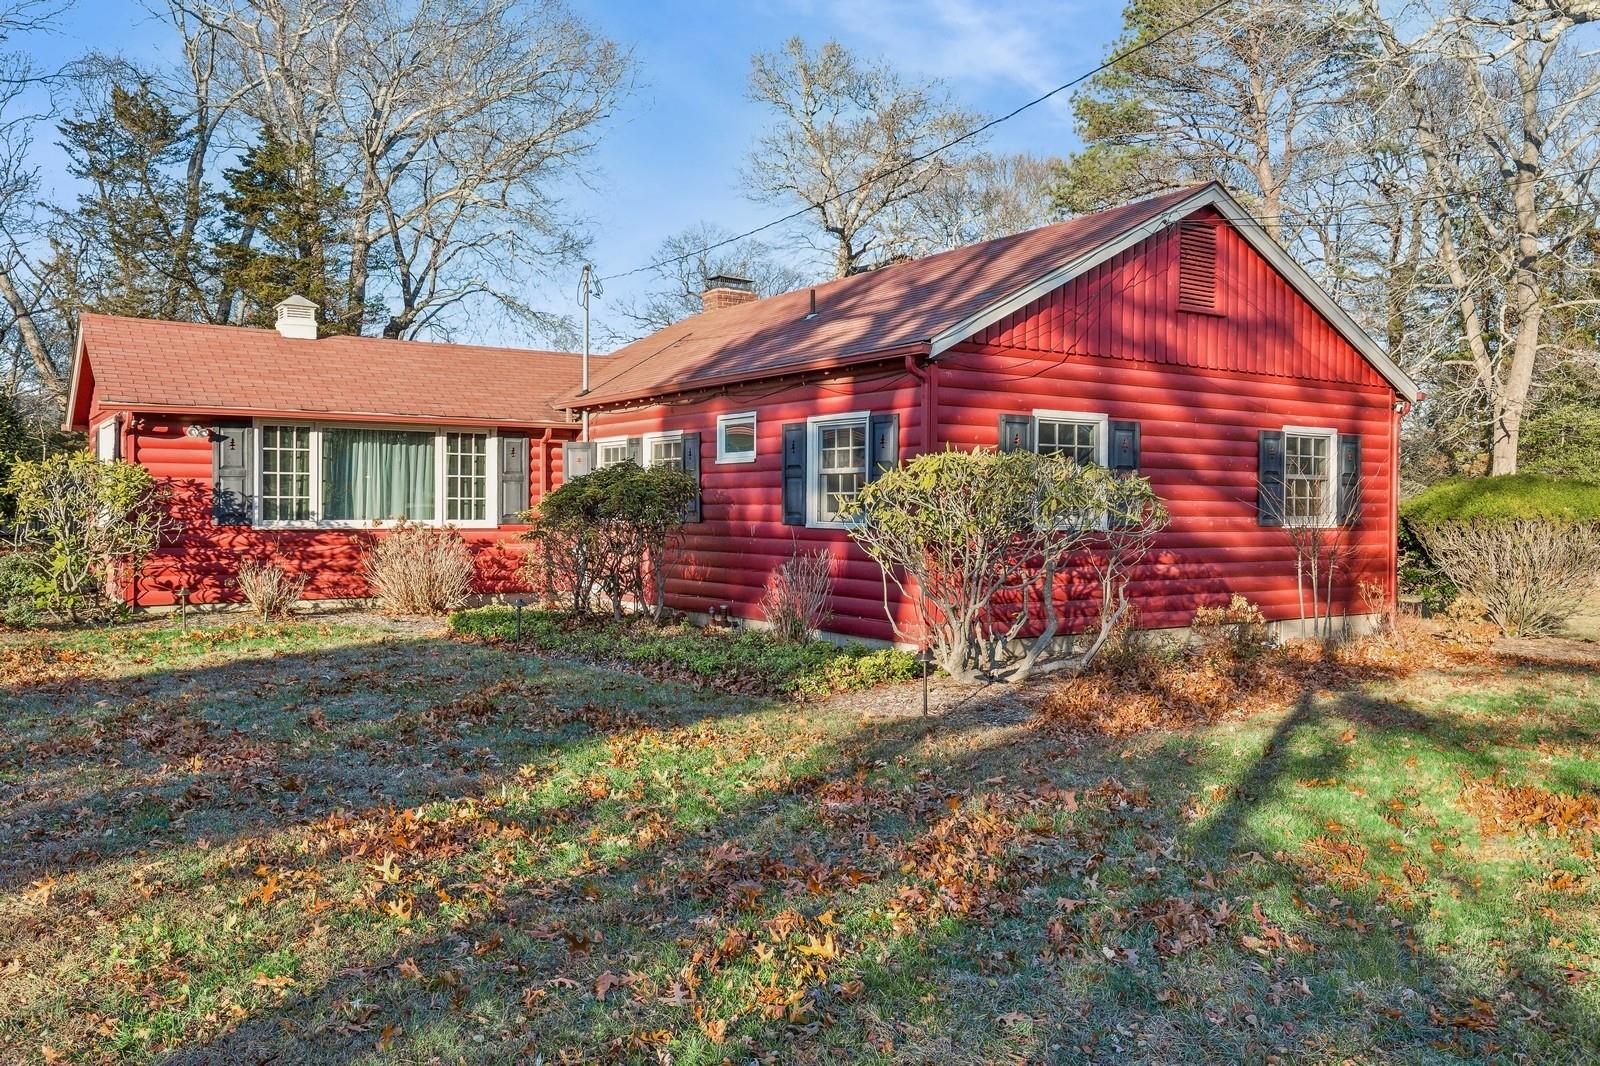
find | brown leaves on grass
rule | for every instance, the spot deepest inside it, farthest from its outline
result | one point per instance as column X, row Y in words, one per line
column 1191, row 687
column 1503, row 808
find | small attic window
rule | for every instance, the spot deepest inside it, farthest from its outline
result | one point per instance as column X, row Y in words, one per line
column 1197, row 267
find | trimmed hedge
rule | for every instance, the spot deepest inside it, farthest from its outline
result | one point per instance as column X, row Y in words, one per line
column 745, row 661
column 1513, row 496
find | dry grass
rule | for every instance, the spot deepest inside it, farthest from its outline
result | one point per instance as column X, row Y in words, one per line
column 417, row 570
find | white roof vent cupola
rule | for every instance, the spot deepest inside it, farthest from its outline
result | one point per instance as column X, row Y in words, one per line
column 297, row 318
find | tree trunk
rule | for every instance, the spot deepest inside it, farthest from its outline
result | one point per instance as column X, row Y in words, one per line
column 31, row 340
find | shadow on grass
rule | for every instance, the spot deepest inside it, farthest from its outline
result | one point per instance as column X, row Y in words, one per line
column 841, row 824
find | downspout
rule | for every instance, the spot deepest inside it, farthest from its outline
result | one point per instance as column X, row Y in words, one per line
column 928, row 388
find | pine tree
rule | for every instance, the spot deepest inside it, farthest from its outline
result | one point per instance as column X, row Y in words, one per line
column 283, row 232
column 125, row 247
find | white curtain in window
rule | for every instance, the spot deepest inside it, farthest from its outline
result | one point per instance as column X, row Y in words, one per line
column 376, row 474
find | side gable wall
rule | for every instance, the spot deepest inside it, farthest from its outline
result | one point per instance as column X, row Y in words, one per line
column 1202, row 387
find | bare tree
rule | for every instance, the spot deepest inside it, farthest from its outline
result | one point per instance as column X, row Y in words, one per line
column 1234, row 96
column 1505, row 116
column 687, row 259
column 978, row 199
column 851, row 146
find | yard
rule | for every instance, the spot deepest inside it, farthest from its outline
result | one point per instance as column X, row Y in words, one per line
column 335, row 841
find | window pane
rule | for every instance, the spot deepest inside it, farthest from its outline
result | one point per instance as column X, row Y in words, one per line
column 377, row 474
column 285, row 481
column 841, row 467
column 738, row 438
column 612, row 454
column 1076, row 440
column 667, row 452
column 1307, row 484
column 466, row 490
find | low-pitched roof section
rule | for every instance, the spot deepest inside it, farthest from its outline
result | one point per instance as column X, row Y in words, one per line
column 157, row 366
column 925, row 306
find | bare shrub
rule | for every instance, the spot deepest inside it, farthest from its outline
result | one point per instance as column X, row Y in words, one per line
column 1465, row 623
column 417, row 570
column 270, row 589
column 1375, row 594
column 796, row 601
column 1531, row 574
column 1239, row 629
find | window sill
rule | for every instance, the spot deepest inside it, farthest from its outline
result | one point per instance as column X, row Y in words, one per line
column 733, row 459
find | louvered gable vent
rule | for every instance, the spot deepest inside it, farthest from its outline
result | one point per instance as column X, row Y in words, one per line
column 1197, row 266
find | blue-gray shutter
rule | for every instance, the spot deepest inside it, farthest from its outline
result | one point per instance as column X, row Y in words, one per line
column 691, row 466
column 513, row 478
column 577, row 459
column 883, row 445
column 1016, row 433
column 1269, row 479
column 794, row 474
column 636, row 450
column 1123, row 460
column 232, row 470
column 1124, row 451
column 1349, row 479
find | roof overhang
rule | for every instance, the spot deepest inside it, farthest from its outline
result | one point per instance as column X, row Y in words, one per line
column 303, row 415
column 720, row 382
column 1211, row 195
column 73, row 420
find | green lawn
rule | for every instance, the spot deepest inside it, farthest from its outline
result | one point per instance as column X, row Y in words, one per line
column 332, row 843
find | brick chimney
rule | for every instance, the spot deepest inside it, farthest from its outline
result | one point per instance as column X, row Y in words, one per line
column 726, row 290
column 297, row 318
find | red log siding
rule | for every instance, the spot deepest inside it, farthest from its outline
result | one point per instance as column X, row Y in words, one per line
column 728, row 555
column 1201, row 385
column 204, row 558
column 1126, row 308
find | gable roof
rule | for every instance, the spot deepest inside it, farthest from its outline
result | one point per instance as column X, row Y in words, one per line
column 925, row 306
column 152, row 365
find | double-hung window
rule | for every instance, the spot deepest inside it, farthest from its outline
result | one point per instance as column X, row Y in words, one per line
column 838, row 447
column 664, row 449
column 359, row 475
column 1079, row 436
column 286, row 473
column 1308, row 492
column 610, row 452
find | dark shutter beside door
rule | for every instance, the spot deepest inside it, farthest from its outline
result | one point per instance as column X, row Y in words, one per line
column 1123, row 454
column 577, row 459
column 232, row 470
column 513, row 478
column 794, row 474
column 691, row 466
column 1016, row 433
column 883, row 445
column 1349, row 479
column 1269, row 479
column 636, row 450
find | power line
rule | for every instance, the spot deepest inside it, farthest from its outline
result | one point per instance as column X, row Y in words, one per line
column 930, row 153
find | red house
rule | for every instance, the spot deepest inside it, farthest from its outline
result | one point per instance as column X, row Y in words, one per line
column 284, row 447
column 1169, row 336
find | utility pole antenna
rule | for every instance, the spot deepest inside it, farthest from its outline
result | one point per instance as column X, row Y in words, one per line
column 586, row 287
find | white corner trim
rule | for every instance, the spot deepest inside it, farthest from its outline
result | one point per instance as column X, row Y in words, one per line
column 1213, row 195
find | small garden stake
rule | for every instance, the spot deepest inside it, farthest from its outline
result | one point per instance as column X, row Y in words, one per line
column 183, row 608
column 519, row 605
column 925, row 657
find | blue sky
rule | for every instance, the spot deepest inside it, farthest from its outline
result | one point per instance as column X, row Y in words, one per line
column 671, row 156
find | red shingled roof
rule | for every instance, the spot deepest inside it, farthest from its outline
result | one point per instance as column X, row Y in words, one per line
column 893, row 307
column 151, row 365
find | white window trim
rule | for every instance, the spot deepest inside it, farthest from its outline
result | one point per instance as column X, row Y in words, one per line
column 1100, row 420
column 1330, row 504
column 814, row 425
column 649, row 439
column 602, row 443
column 491, row 519
column 737, row 457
